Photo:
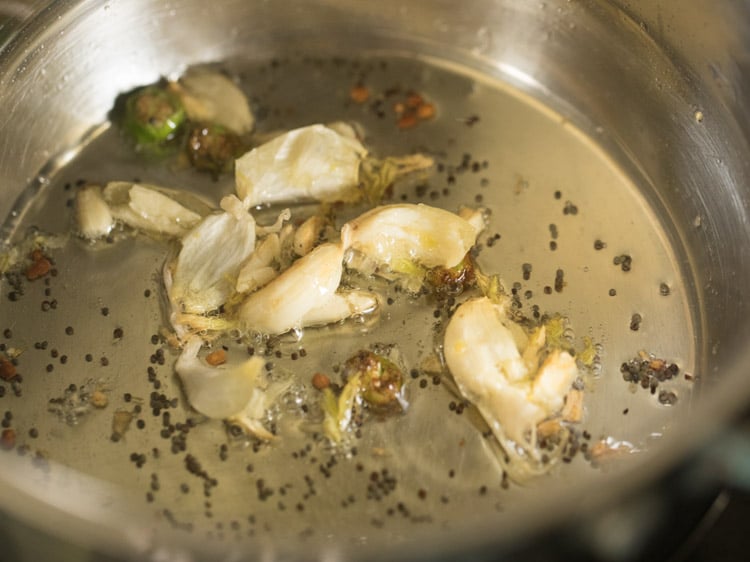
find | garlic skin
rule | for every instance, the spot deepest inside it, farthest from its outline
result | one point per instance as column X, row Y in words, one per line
column 149, row 209
column 404, row 235
column 212, row 254
column 305, row 294
column 93, row 217
column 211, row 97
column 487, row 355
column 309, row 163
column 217, row 392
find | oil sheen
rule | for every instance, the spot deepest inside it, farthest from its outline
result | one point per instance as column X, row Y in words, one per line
column 562, row 218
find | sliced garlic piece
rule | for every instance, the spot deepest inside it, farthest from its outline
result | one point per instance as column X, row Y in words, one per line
column 93, row 216
column 149, row 208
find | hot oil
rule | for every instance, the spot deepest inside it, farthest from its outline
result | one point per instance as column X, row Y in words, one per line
column 563, row 220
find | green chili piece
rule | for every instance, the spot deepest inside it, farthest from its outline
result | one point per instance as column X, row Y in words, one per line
column 153, row 116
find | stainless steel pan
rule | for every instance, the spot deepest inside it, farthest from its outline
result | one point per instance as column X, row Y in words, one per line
column 634, row 112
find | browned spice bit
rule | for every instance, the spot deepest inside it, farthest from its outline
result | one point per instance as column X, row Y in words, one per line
column 99, row 399
column 453, row 281
column 320, row 381
column 39, row 267
column 7, row 368
column 548, row 428
column 121, row 422
column 649, row 372
column 8, row 439
column 413, row 109
column 218, row 357
column 407, row 121
column 603, row 452
column 657, row 364
column 359, row 93
column 426, row 111
column 414, row 100
column 573, row 409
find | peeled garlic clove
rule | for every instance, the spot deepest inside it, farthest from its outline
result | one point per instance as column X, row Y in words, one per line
column 480, row 348
column 282, row 305
column 510, row 389
column 217, row 392
column 211, row 97
column 483, row 358
column 252, row 279
column 310, row 163
column 290, row 301
column 399, row 236
column 92, row 213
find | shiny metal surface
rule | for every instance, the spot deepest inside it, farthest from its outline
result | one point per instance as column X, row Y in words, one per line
column 644, row 100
